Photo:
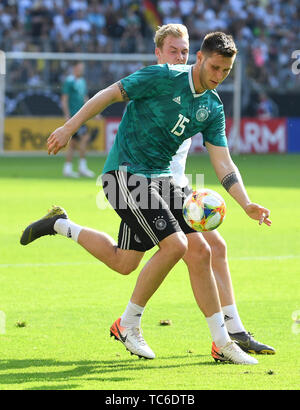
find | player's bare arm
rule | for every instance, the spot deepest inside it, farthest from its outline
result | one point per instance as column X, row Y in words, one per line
column 61, row 136
column 229, row 176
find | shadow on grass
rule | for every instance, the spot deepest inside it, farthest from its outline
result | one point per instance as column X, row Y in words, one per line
column 56, row 387
column 99, row 371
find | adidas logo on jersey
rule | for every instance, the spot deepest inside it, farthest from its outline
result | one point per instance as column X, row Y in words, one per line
column 177, row 100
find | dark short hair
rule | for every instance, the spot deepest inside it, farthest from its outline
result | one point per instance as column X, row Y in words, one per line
column 219, row 43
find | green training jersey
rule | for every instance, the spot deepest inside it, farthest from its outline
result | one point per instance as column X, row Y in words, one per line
column 164, row 111
column 76, row 90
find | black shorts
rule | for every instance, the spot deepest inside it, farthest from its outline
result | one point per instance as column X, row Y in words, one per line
column 150, row 209
column 80, row 132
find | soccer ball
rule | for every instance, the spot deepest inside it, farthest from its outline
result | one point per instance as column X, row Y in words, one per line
column 204, row 210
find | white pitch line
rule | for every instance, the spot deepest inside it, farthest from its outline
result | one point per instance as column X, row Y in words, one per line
column 36, row 265
column 241, row 258
column 264, row 258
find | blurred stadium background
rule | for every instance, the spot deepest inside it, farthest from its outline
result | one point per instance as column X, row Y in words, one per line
column 39, row 38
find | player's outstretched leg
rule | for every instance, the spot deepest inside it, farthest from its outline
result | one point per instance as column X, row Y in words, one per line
column 231, row 353
column 44, row 226
column 248, row 344
column 132, row 339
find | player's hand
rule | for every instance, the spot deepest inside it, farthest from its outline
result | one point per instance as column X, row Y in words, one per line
column 58, row 140
column 258, row 213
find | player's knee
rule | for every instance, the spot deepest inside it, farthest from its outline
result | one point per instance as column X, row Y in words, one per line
column 127, row 269
column 181, row 248
column 199, row 256
column 127, row 265
column 204, row 254
column 126, row 261
column 219, row 249
column 175, row 246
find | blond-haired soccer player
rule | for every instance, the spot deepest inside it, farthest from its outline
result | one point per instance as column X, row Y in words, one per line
column 152, row 129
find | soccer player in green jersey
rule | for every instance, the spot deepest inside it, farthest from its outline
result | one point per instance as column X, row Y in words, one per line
column 168, row 105
column 74, row 95
column 172, row 47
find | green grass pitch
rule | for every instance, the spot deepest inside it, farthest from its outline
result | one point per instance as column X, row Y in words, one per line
column 68, row 300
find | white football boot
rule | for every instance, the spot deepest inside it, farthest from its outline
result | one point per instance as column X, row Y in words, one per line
column 132, row 339
column 85, row 172
column 231, row 353
column 70, row 174
column 68, row 171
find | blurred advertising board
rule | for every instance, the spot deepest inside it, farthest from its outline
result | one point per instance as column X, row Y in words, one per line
column 31, row 133
column 293, row 129
column 276, row 135
column 260, row 136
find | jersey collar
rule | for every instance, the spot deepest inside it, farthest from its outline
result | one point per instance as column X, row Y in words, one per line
column 191, row 82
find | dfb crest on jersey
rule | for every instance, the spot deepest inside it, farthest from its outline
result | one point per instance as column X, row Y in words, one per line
column 202, row 114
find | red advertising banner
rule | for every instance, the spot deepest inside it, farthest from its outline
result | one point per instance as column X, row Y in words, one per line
column 260, row 136
column 112, row 125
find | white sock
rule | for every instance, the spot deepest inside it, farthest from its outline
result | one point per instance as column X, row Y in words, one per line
column 232, row 319
column 67, row 228
column 82, row 163
column 68, row 167
column 218, row 329
column 132, row 316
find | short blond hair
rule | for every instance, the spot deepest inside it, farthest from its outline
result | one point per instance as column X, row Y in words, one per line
column 175, row 30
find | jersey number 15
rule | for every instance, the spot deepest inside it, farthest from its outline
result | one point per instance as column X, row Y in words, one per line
column 179, row 126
